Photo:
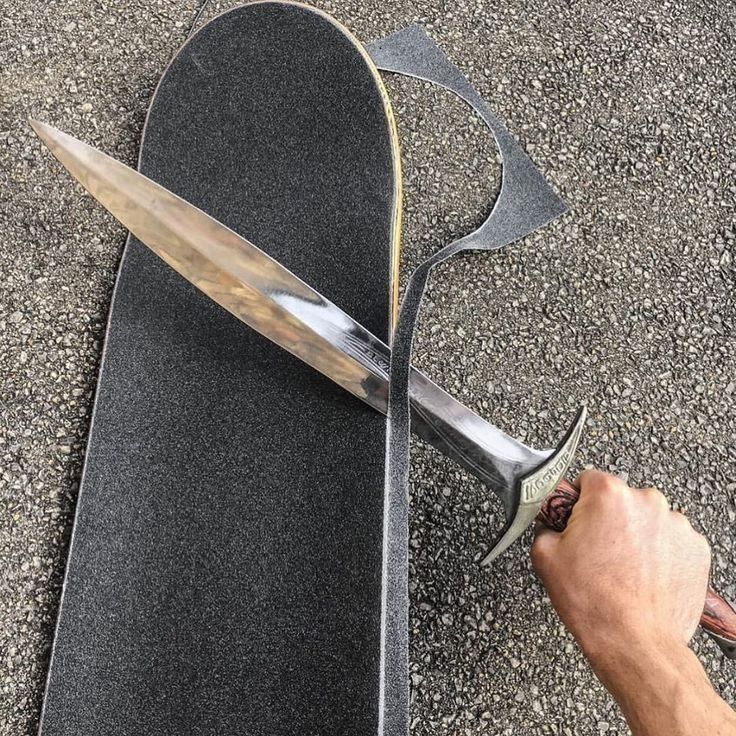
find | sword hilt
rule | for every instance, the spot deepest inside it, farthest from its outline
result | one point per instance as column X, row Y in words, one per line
column 719, row 616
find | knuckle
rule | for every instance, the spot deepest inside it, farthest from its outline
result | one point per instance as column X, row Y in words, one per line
column 587, row 476
column 595, row 478
column 698, row 541
column 681, row 524
column 655, row 498
column 597, row 484
column 612, row 484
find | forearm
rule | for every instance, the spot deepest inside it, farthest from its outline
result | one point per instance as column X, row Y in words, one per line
column 663, row 689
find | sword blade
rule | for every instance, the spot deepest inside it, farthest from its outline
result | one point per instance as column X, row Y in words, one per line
column 265, row 295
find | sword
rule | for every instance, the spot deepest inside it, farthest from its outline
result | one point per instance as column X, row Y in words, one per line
column 263, row 294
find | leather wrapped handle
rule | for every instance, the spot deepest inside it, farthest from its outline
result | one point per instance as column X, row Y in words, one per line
column 719, row 617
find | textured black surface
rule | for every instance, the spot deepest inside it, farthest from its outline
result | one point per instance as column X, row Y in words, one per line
column 224, row 575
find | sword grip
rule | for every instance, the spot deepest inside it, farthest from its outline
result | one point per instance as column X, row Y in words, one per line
column 719, row 617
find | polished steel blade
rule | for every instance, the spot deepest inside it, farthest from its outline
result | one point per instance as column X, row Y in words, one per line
column 266, row 296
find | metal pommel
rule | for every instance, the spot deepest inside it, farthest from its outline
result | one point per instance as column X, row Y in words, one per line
column 536, row 486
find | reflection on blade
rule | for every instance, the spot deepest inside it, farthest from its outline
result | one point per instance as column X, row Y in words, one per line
column 229, row 269
column 269, row 298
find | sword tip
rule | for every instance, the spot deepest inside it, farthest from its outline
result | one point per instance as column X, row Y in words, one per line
column 47, row 133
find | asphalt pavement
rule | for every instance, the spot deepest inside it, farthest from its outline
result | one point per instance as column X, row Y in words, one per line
column 626, row 303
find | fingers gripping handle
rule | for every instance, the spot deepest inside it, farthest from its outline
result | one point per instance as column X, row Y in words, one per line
column 719, row 617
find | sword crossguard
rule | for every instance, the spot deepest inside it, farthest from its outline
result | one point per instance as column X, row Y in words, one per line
column 534, row 488
column 547, row 496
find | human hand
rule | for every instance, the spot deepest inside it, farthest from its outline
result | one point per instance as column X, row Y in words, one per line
column 629, row 577
column 626, row 571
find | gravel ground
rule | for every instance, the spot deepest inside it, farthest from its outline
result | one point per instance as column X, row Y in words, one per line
column 625, row 303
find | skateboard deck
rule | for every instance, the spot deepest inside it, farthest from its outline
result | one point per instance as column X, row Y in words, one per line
column 224, row 575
